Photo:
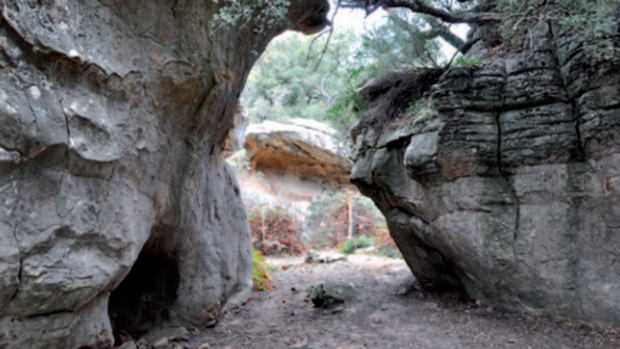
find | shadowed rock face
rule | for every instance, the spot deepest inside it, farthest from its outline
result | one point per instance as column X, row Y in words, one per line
column 512, row 192
column 112, row 119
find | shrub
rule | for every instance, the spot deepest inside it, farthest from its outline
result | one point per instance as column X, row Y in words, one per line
column 349, row 246
column 260, row 272
column 278, row 225
column 329, row 223
column 386, row 246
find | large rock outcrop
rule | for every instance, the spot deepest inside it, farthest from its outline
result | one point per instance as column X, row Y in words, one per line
column 512, row 191
column 303, row 149
column 113, row 116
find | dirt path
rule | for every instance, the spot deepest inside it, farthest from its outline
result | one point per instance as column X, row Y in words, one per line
column 393, row 313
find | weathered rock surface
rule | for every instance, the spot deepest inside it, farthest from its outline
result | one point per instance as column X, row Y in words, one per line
column 113, row 116
column 303, row 149
column 512, row 191
column 236, row 135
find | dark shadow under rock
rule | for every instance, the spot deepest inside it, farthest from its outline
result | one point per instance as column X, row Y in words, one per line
column 142, row 299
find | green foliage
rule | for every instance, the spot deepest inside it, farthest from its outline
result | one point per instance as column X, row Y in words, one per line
column 421, row 111
column 467, row 62
column 390, row 252
column 260, row 272
column 287, row 81
column 328, row 219
column 592, row 18
column 403, row 42
column 259, row 14
column 349, row 246
column 346, row 106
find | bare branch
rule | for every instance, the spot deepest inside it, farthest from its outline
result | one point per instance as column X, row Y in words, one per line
column 438, row 29
column 331, row 32
column 312, row 44
column 419, row 6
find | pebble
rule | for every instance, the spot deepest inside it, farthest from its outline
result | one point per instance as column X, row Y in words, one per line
column 204, row 346
column 160, row 343
column 128, row 345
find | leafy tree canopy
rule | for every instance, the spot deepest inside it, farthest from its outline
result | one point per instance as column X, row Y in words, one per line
column 303, row 77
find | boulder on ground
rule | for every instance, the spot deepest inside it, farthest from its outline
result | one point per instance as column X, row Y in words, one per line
column 316, row 257
column 330, row 293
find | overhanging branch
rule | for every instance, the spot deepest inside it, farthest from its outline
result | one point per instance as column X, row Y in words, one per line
column 441, row 30
column 419, row 6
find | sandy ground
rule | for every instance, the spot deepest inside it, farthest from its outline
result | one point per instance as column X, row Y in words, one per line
column 393, row 312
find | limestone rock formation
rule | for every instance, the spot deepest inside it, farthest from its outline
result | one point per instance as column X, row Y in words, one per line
column 512, row 191
column 304, row 149
column 236, row 135
column 117, row 210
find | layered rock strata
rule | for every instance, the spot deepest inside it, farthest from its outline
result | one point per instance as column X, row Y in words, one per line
column 113, row 115
column 512, row 191
column 303, row 149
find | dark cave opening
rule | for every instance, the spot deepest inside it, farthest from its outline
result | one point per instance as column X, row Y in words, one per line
column 141, row 301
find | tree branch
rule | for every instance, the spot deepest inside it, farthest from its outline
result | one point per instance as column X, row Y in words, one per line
column 419, row 6
column 437, row 29
column 329, row 37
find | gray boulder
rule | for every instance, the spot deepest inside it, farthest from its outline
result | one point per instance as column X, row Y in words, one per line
column 511, row 191
column 117, row 210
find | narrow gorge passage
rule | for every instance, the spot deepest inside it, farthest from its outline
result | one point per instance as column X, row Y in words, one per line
column 392, row 312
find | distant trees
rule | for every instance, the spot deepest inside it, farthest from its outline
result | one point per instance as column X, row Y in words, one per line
column 289, row 82
column 597, row 20
column 296, row 77
column 292, row 80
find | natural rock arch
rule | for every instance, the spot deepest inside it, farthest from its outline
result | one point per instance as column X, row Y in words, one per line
column 113, row 116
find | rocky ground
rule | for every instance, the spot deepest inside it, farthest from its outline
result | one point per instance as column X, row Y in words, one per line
column 391, row 311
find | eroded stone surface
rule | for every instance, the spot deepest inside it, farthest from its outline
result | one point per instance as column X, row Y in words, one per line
column 303, row 149
column 113, row 115
column 511, row 192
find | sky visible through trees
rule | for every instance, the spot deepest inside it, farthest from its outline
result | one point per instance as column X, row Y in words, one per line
column 299, row 76
column 305, row 77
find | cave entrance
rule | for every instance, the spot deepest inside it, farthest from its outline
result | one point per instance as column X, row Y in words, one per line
column 142, row 300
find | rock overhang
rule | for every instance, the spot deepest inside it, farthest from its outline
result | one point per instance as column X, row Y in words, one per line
column 509, row 192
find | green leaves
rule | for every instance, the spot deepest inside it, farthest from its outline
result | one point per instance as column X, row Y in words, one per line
column 592, row 18
column 285, row 84
column 260, row 272
column 259, row 14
